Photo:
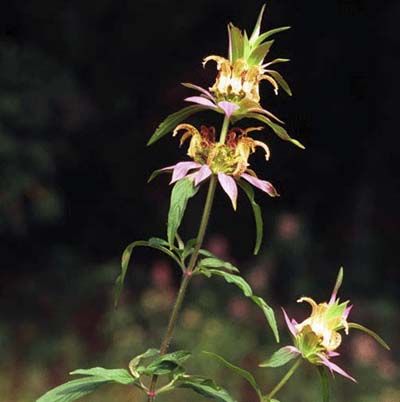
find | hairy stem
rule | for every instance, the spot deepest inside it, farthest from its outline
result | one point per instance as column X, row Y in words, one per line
column 185, row 280
column 224, row 130
column 285, row 378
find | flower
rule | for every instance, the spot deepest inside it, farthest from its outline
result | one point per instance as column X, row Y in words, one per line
column 317, row 338
column 236, row 87
column 239, row 80
column 229, row 161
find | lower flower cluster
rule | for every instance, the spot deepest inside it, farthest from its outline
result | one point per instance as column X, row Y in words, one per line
column 227, row 159
column 317, row 338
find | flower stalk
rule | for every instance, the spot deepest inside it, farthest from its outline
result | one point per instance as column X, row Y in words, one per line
column 224, row 130
column 284, row 379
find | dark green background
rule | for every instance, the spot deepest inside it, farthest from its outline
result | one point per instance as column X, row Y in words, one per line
column 82, row 87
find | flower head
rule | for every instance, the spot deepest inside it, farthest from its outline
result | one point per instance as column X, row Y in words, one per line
column 239, row 76
column 317, row 337
column 229, row 160
column 239, row 80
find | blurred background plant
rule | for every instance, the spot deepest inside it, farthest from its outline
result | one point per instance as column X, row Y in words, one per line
column 81, row 90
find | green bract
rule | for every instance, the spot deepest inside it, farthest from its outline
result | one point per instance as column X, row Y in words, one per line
column 254, row 49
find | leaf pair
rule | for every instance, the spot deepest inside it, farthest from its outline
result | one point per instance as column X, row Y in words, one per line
column 170, row 364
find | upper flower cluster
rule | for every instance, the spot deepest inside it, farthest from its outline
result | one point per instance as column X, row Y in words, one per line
column 236, row 89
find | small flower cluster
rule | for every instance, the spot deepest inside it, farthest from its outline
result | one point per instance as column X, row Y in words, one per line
column 229, row 160
column 317, row 338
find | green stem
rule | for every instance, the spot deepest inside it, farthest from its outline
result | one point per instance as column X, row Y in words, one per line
column 203, row 224
column 224, row 130
column 185, row 280
column 285, row 378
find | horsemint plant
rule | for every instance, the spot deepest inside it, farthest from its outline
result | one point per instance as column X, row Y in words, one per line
column 235, row 95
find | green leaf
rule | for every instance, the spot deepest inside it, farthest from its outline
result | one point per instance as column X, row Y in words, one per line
column 126, row 255
column 181, row 244
column 75, row 389
column 256, row 31
column 162, row 368
column 258, row 54
column 182, row 191
column 238, row 370
column 213, row 262
column 173, row 120
column 246, row 46
column 120, row 376
column 248, row 189
column 156, row 173
column 72, row 390
column 324, row 383
column 278, row 130
column 280, row 80
column 281, row 357
column 247, row 291
column 189, row 248
column 158, row 242
column 339, row 281
column 205, row 387
column 155, row 243
column 234, row 279
column 236, row 39
column 267, row 34
column 165, row 364
column 134, row 363
column 275, row 61
column 370, row 333
column 269, row 314
column 206, row 253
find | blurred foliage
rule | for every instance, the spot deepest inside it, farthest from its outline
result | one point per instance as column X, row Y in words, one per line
column 78, row 327
column 31, row 87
